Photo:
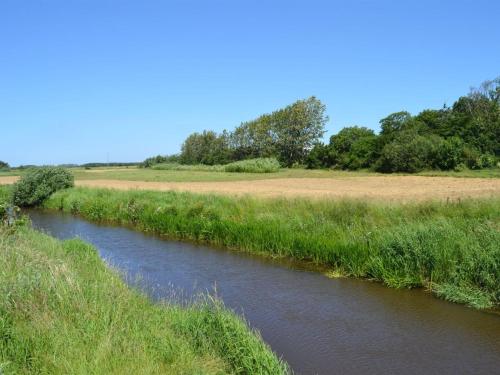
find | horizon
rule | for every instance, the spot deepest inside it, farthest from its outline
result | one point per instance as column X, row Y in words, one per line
column 92, row 81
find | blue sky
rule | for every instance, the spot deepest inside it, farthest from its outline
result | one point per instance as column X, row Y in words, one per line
column 85, row 80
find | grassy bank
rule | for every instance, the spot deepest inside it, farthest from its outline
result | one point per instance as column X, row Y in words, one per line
column 451, row 248
column 63, row 311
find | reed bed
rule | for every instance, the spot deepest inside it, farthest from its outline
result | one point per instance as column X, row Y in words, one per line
column 451, row 248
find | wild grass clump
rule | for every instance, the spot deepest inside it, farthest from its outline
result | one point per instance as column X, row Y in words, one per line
column 62, row 311
column 437, row 245
column 259, row 165
column 38, row 184
column 188, row 167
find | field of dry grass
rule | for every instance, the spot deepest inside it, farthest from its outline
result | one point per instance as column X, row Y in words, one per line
column 371, row 187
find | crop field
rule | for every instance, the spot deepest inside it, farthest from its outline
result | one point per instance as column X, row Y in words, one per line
column 293, row 183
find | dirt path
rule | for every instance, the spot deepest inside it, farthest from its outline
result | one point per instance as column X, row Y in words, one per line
column 391, row 188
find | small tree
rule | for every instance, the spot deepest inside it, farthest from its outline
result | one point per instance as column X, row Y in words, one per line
column 4, row 165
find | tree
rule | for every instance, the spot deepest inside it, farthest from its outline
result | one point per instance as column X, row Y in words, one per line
column 205, row 148
column 354, row 147
column 321, row 156
column 4, row 165
column 408, row 152
column 298, row 128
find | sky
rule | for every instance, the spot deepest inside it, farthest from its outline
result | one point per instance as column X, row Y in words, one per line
column 96, row 81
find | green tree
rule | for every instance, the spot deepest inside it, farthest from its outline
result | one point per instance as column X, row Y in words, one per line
column 4, row 165
column 298, row 128
column 355, row 147
column 205, row 148
column 408, row 152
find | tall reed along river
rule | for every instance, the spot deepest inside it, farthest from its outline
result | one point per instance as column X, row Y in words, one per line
column 319, row 325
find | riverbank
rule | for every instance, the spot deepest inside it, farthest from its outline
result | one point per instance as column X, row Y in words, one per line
column 62, row 310
column 451, row 248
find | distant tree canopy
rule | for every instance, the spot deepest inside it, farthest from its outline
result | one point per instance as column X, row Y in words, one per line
column 465, row 135
column 288, row 134
column 4, row 165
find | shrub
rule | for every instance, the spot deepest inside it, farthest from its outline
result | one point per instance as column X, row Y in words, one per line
column 38, row 184
column 259, row 165
column 321, row 156
column 449, row 154
column 409, row 152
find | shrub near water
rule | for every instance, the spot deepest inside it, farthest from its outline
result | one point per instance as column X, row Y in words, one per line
column 452, row 248
column 39, row 183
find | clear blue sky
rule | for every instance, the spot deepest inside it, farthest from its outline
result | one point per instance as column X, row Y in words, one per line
column 81, row 80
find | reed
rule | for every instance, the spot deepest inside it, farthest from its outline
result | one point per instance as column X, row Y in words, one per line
column 454, row 244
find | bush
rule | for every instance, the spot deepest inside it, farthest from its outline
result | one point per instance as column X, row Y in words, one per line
column 409, row 152
column 38, row 184
column 321, row 156
column 449, row 154
column 259, row 165
column 149, row 162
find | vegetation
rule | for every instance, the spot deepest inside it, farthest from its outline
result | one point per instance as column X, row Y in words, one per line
column 260, row 165
column 39, row 183
column 4, row 166
column 286, row 134
column 463, row 136
column 466, row 135
column 451, row 248
column 63, row 311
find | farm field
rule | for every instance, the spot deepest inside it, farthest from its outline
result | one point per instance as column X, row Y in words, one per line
column 293, row 183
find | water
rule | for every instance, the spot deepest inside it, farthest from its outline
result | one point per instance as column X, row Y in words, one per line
column 318, row 325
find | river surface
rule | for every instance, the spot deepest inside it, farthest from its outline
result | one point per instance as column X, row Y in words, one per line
column 318, row 325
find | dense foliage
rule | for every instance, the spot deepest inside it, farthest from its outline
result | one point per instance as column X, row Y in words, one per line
column 4, row 166
column 465, row 135
column 38, row 184
column 287, row 134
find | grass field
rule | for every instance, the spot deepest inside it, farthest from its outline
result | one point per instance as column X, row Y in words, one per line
column 318, row 184
column 147, row 174
column 62, row 311
column 451, row 248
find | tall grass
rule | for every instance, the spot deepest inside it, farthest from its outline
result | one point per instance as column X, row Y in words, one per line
column 187, row 167
column 62, row 311
column 259, row 165
column 451, row 248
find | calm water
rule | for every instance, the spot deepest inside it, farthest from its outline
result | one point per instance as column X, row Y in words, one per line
column 318, row 325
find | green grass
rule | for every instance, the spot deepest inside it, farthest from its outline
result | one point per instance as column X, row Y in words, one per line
column 204, row 174
column 259, row 165
column 450, row 247
column 62, row 311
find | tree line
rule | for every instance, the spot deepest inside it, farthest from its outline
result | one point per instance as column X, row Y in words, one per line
column 465, row 135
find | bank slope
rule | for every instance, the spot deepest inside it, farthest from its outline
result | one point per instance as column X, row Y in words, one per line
column 62, row 310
